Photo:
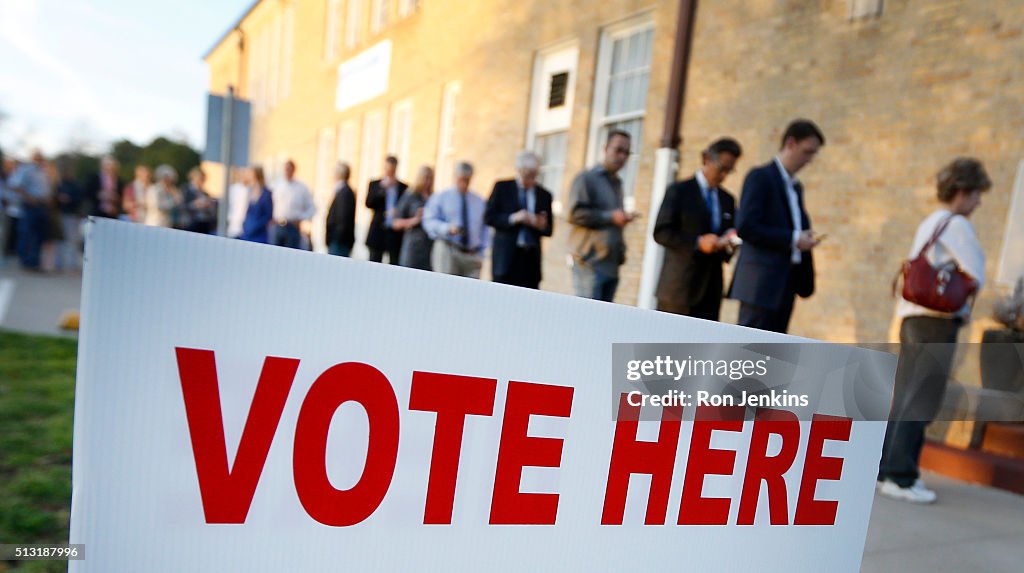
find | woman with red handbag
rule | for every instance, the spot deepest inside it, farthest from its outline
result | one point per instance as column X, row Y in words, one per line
column 946, row 269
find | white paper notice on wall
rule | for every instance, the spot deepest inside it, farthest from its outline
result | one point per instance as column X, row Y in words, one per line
column 363, row 77
column 242, row 407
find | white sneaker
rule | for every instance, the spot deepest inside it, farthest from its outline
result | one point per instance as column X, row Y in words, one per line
column 916, row 493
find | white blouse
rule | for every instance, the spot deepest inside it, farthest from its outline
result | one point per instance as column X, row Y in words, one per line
column 957, row 243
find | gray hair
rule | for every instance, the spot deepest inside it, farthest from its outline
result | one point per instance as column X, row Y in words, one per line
column 463, row 169
column 342, row 170
column 166, row 171
column 527, row 160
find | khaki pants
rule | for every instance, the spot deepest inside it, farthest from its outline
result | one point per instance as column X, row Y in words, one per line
column 450, row 260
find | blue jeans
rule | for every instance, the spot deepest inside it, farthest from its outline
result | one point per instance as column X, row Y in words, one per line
column 287, row 236
column 339, row 250
column 591, row 283
column 32, row 229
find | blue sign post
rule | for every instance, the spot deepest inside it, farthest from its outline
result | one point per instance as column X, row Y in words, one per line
column 227, row 142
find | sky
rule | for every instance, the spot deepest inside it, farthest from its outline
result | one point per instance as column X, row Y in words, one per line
column 77, row 73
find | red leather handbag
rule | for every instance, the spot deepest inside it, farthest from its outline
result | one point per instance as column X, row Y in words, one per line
column 943, row 289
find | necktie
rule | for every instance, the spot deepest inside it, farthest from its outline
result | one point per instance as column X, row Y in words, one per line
column 465, row 220
column 799, row 188
column 712, row 199
column 526, row 238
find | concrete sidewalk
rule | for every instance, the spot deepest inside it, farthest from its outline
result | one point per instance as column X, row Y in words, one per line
column 33, row 302
column 970, row 528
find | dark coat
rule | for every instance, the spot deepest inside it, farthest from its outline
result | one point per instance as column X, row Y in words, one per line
column 687, row 274
column 380, row 237
column 766, row 226
column 503, row 202
column 341, row 217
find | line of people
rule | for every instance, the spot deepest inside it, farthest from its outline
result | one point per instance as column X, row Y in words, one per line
column 43, row 206
column 449, row 231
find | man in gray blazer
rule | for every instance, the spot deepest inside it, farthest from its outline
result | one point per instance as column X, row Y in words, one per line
column 597, row 219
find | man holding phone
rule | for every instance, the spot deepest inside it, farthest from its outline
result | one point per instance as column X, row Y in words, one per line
column 696, row 226
column 597, row 216
column 775, row 263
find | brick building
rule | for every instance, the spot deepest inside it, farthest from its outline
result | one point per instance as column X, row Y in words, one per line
column 898, row 87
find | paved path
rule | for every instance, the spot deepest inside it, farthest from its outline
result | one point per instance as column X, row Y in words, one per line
column 34, row 302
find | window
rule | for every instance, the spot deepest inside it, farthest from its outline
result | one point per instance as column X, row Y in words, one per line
column 446, row 139
column 552, row 149
column 865, row 8
column 407, row 7
column 1011, row 262
column 287, row 49
column 373, row 148
column 554, row 86
column 332, row 32
column 353, row 23
column 348, row 140
column 255, row 73
column 274, row 63
column 323, row 186
column 378, row 16
column 620, row 96
column 399, row 136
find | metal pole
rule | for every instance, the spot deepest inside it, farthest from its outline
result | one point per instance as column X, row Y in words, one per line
column 225, row 160
column 666, row 159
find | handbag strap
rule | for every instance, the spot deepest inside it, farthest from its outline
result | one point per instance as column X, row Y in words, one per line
column 935, row 236
column 931, row 242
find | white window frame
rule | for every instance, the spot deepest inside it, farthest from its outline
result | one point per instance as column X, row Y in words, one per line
column 332, row 30
column 323, row 186
column 400, row 135
column 274, row 63
column 446, row 140
column 372, row 147
column 407, row 8
column 353, row 23
column 287, row 49
column 542, row 123
column 348, row 143
column 598, row 119
column 862, row 9
column 255, row 79
column 379, row 15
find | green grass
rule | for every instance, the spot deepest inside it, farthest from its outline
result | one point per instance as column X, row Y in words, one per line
column 37, row 398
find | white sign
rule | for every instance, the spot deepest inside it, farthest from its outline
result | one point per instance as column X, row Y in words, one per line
column 364, row 77
column 242, row 407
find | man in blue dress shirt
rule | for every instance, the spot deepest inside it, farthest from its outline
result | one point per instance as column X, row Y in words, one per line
column 454, row 219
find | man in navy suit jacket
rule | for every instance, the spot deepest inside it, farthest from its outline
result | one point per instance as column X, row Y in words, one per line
column 695, row 225
column 775, row 262
column 520, row 212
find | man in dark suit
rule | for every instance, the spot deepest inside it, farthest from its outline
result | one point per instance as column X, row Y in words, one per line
column 382, row 197
column 775, row 262
column 341, row 218
column 696, row 226
column 103, row 190
column 520, row 211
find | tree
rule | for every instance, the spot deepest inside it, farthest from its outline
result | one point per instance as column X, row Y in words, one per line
column 164, row 151
column 82, row 165
column 127, row 154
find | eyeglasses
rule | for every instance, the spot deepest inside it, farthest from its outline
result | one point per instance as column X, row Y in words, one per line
column 723, row 168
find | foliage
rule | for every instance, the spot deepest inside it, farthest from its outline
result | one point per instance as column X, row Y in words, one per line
column 37, row 392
